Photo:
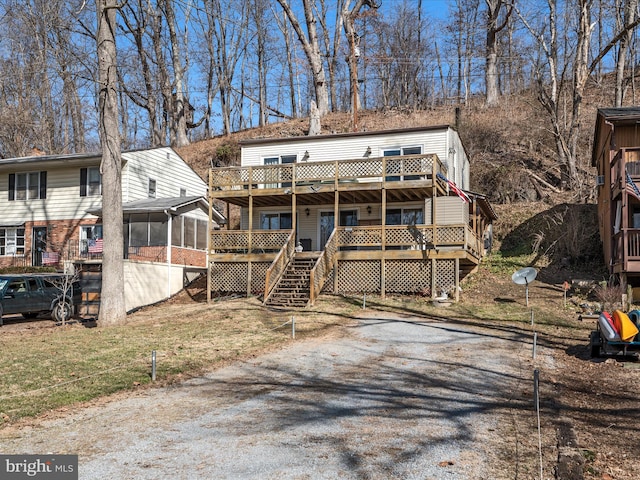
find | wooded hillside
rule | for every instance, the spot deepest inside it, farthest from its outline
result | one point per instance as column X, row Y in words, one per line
column 513, row 162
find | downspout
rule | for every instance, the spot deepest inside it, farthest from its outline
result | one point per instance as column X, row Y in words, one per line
column 169, row 242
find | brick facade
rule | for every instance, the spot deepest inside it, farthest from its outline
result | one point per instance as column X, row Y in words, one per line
column 63, row 239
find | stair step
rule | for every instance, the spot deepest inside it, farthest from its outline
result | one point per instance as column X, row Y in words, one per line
column 293, row 288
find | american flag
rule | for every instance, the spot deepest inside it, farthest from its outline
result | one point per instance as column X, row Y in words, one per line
column 454, row 188
column 632, row 188
column 95, row 246
column 49, row 258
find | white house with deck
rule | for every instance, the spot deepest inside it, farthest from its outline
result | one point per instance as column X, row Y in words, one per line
column 384, row 212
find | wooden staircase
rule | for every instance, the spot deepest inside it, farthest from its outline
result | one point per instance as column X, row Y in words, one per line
column 292, row 290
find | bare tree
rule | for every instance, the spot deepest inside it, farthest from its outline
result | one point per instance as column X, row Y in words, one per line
column 349, row 16
column 140, row 81
column 289, row 55
column 311, row 48
column 463, row 33
column 112, row 306
column 494, row 12
column 626, row 15
column 41, row 78
column 331, row 44
column 179, row 103
column 555, row 89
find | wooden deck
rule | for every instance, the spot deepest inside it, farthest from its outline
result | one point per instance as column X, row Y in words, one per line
column 404, row 178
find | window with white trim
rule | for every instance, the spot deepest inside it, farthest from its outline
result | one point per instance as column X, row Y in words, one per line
column 189, row 232
column 27, row 186
column 11, row 241
column 152, row 188
column 90, row 182
column 404, row 216
column 90, row 239
column 396, row 167
column 275, row 221
column 276, row 174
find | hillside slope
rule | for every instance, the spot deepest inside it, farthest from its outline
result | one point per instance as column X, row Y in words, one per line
column 513, row 162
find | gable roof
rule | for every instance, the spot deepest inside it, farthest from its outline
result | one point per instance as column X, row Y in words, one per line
column 611, row 116
column 173, row 204
column 71, row 160
column 620, row 114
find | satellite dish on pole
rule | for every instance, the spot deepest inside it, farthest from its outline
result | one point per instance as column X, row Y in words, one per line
column 525, row 276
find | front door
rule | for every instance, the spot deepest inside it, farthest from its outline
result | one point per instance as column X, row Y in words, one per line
column 39, row 245
column 326, row 227
column 348, row 218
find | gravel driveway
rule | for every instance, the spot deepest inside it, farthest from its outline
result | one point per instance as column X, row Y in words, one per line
column 396, row 397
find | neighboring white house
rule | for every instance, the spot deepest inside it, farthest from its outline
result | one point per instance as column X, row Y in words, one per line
column 50, row 209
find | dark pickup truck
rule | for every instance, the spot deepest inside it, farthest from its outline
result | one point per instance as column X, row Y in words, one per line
column 31, row 294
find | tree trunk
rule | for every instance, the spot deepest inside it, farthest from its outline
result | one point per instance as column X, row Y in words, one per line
column 491, row 68
column 180, row 104
column 629, row 16
column 312, row 52
column 112, row 307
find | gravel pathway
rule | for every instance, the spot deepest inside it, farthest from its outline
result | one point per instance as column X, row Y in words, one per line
column 395, row 398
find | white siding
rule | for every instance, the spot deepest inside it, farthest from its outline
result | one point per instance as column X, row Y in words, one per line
column 146, row 283
column 443, row 142
column 457, row 161
column 332, row 148
column 63, row 199
column 64, row 202
column 449, row 211
column 163, row 165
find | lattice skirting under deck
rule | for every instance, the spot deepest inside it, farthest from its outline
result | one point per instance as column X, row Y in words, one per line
column 353, row 276
column 233, row 276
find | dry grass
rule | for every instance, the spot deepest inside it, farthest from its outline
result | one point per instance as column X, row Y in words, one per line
column 46, row 368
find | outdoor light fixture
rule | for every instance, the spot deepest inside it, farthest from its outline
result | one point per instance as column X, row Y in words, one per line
column 367, row 152
column 307, row 211
column 305, row 157
column 369, row 209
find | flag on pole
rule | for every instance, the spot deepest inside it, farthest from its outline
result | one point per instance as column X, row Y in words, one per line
column 632, row 188
column 95, row 246
column 454, row 188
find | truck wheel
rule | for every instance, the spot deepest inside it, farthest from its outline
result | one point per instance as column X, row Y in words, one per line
column 594, row 343
column 61, row 311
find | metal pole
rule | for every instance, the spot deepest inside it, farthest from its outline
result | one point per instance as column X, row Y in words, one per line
column 535, row 342
column 364, row 301
column 293, row 327
column 532, row 317
column 153, row 365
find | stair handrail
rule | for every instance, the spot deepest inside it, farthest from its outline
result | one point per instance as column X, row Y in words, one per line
column 278, row 266
column 323, row 266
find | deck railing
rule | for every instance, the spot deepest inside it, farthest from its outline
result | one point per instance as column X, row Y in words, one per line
column 374, row 237
column 246, row 241
column 626, row 161
column 626, row 246
column 409, row 237
column 323, row 266
column 407, row 167
column 278, row 265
